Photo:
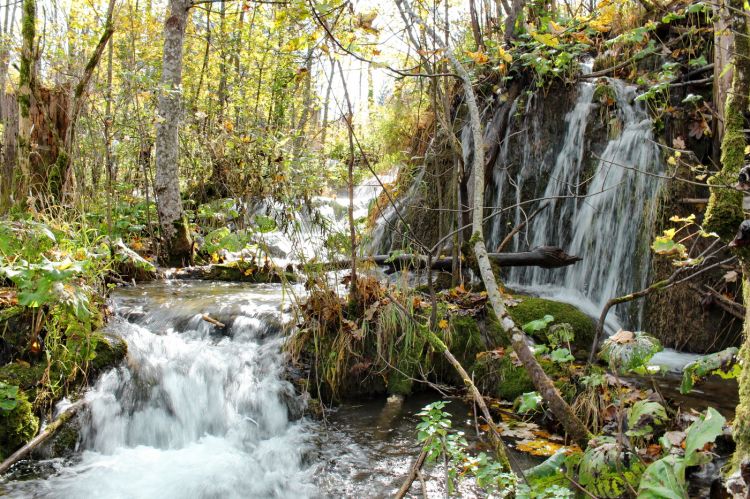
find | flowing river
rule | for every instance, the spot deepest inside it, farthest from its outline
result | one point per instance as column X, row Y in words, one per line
column 200, row 412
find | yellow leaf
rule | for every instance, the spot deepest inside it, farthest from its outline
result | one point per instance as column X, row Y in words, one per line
column 547, row 39
column 504, row 55
column 478, row 57
column 443, row 324
column 249, row 271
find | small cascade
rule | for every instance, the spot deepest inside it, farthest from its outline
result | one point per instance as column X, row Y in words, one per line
column 196, row 411
column 388, row 226
column 601, row 213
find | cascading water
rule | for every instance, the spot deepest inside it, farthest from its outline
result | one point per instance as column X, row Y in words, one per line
column 201, row 412
column 602, row 215
column 196, row 412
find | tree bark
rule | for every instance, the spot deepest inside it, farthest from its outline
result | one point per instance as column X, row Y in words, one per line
column 26, row 81
column 175, row 231
column 732, row 160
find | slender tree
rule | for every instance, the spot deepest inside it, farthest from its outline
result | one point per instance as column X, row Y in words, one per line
column 175, row 231
column 26, row 81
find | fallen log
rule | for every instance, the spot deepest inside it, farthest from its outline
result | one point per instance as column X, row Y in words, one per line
column 547, row 257
column 47, row 432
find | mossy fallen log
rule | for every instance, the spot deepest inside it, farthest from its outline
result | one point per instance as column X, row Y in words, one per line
column 547, row 257
column 48, row 431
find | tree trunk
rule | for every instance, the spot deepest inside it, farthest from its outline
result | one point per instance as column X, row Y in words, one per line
column 175, row 231
column 725, row 206
column 722, row 70
column 26, row 81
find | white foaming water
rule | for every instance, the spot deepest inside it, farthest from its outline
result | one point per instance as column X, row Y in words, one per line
column 329, row 214
column 389, row 226
column 194, row 412
column 604, row 219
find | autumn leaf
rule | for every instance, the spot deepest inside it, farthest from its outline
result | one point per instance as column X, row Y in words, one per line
column 504, row 55
column 443, row 324
column 547, row 39
column 478, row 57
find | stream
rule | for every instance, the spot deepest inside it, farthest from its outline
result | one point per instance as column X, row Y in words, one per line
column 203, row 413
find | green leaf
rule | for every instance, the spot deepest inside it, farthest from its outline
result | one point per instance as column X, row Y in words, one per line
column 561, row 355
column 537, row 325
column 643, row 416
column 265, row 224
column 701, row 432
column 664, row 479
column 528, row 402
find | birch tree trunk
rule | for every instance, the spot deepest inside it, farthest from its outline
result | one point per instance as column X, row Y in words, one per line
column 175, row 232
column 25, row 84
column 560, row 409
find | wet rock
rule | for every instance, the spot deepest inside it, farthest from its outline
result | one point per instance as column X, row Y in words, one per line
column 17, row 426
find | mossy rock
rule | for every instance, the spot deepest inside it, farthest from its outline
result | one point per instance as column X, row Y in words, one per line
column 17, row 426
column 532, row 308
column 64, row 441
column 110, row 350
column 498, row 376
column 15, row 330
column 605, row 94
column 24, row 375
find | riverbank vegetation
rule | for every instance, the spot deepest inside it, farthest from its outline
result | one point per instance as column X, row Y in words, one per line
column 515, row 203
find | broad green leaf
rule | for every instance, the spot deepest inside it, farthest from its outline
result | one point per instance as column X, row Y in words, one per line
column 561, row 355
column 529, row 402
column 643, row 416
column 664, row 479
column 701, row 432
column 537, row 325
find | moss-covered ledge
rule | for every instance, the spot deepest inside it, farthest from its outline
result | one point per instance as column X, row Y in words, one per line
column 21, row 424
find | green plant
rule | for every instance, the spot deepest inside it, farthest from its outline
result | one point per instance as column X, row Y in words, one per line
column 665, row 478
column 8, row 396
column 435, row 434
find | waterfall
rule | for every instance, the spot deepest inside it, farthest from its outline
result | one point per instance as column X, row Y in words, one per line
column 195, row 412
column 602, row 213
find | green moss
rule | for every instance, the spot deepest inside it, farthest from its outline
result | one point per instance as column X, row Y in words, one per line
column 498, row 376
column 109, row 350
column 531, row 308
column 605, row 94
column 24, row 375
column 466, row 340
column 399, row 383
column 17, row 426
column 724, row 211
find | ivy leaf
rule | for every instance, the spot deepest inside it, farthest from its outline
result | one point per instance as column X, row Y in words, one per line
column 528, row 402
column 537, row 325
column 643, row 416
column 561, row 355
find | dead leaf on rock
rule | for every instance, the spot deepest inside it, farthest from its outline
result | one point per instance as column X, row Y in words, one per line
column 622, row 337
